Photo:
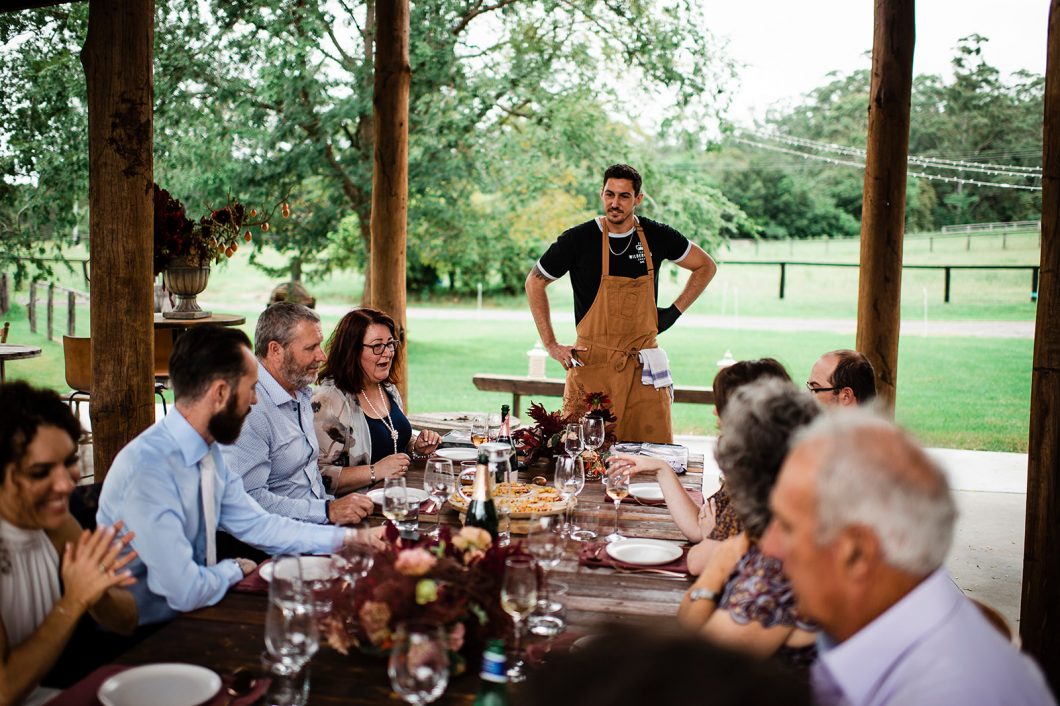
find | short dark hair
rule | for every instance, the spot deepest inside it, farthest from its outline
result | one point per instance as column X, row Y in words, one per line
column 277, row 323
column 742, row 372
column 203, row 354
column 343, row 365
column 854, row 370
column 25, row 409
column 624, row 171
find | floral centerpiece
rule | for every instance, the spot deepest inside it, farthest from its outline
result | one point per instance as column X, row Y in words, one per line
column 453, row 581
column 545, row 438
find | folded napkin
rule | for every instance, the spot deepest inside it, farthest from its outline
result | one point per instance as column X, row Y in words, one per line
column 697, row 498
column 594, row 556
column 83, row 693
column 656, row 370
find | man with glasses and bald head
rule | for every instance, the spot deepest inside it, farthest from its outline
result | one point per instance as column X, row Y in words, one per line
column 842, row 378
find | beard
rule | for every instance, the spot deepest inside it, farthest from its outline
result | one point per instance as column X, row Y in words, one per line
column 298, row 376
column 225, row 426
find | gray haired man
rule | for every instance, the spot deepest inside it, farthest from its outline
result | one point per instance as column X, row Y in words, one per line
column 862, row 520
column 276, row 453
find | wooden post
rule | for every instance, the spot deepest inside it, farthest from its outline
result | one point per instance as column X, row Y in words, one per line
column 31, row 313
column 390, row 174
column 5, row 297
column 946, row 292
column 1039, row 610
column 117, row 58
column 883, row 209
column 50, row 309
column 71, row 313
column 783, row 272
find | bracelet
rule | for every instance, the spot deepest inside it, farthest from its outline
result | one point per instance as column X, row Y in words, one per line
column 371, row 473
column 702, row 594
column 417, row 456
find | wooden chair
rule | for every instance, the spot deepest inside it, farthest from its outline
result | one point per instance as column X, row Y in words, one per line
column 77, row 353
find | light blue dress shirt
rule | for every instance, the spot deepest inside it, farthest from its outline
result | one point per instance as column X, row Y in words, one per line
column 932, row 647
column 153, row 486
column 276, row 453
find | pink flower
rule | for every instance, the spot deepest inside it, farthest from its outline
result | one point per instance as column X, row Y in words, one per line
column 456, row 637
column 415, row 562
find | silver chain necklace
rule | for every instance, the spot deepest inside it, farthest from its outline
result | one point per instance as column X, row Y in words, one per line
column 385, row 419
column 628, row 243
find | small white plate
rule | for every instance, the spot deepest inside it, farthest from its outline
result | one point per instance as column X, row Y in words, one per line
column 169, row 684
column 457, row 454
column 314, row 568
column 646, row 491
column 644, row 552
column 416, row 495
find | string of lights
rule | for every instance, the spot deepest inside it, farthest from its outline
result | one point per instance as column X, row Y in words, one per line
column 861, row 165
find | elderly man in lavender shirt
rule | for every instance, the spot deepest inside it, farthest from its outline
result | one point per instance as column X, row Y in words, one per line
column 863, row 520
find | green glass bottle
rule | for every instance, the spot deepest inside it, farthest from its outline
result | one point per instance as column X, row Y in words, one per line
column 494, row 688
column 482, row 511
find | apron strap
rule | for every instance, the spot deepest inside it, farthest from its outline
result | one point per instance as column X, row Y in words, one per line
column 647, row 250
column 605, row 255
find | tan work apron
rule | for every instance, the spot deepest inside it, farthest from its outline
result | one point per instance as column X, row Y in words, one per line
column 621, row 321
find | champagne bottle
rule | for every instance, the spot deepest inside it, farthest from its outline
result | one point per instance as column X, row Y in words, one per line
column 482, row 511
column 505, row 437
column 494, row 688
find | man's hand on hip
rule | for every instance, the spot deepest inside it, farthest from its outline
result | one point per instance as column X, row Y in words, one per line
column 349, row 509
column 668, row 317
column 564, row 354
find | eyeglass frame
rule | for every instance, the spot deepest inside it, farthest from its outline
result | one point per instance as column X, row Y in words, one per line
column 815, row 390
column 378, row 348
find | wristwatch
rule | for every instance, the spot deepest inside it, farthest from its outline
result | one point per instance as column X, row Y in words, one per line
column 703, row 594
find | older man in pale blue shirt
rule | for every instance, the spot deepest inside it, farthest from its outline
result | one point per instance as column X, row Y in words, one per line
column 862, row 520
column 171, row 487
column 276, row 452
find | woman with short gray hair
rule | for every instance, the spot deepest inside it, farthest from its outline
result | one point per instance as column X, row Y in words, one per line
column 742, row 599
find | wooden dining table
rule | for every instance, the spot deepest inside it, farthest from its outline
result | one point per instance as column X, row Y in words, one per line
column 230, row 634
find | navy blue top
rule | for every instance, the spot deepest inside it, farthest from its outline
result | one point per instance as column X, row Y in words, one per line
column 382, row 444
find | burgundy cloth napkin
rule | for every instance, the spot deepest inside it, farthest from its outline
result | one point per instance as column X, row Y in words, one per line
column 83, row 693
column 594, row 555
column 697, row 498
column 252, row 582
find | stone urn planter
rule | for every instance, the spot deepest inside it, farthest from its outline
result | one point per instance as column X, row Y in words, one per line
column 186, row 279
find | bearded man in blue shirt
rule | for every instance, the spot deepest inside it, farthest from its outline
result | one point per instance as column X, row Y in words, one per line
column 170, row 485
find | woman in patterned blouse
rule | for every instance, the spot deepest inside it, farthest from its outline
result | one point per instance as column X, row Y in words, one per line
column 742, row 599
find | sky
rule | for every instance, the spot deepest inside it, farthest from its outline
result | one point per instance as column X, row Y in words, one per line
column 788, row 48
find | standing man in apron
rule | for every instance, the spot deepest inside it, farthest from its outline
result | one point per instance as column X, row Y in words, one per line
column 613, row 261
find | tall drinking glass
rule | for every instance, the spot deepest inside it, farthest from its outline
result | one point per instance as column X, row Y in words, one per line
column 594, row 431
column 546, row 542
column 479, row 431
column 493, row 428
column 419, row 663
column 518, row 599
column 617, row 486
column 569, row 480
column 573, row 440
column 439, row 482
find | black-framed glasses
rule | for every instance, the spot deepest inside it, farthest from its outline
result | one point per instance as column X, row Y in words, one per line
column 815, row 390
column 378, row 348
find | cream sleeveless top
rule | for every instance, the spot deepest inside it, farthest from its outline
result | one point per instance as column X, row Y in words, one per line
column 29, row 580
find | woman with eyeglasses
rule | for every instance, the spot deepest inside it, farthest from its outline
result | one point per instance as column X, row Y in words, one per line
column 363, row 432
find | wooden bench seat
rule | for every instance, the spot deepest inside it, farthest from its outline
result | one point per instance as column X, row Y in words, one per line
column 519, row 385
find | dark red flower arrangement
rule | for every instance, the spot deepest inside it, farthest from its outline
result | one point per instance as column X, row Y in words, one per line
column 543, row 439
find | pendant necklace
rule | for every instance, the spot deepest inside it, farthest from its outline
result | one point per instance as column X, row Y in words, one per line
column 385, row 419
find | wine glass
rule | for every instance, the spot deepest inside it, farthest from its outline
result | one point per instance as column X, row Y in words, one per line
column 546, row 542
column 493, row 426
column 479, row 431
column 594, row 432
column 439, row 481
column 518, row 599
column 617, row 486
column 419, row 663
column 573, row 440
column 395, row 499
column 569, row 480
column 354, row 559
column 291, row 636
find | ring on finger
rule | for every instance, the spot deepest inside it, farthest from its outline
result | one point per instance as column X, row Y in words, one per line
column 102, row 568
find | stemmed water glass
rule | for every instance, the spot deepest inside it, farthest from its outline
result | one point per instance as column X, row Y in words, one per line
column 573, row 440
column 569, row 480
column 594, row 430
column 518, row 599
column 546, row 542
column 479, row 431
column 291, row 637
column 439, row 482
column 396, row 504
column 354, row 559
column 419, row 663
column 616, row 484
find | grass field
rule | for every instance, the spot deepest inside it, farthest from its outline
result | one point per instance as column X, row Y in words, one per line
column 953, row 392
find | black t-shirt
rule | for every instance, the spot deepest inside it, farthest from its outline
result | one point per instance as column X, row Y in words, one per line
column 578, row 251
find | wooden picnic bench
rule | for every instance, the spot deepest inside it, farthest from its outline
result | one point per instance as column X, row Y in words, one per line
column 520, row 385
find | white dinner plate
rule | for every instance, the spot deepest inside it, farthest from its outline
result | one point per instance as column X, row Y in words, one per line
column 457, row 454
column 314, row 568
column 416, row 495
column 645, row 552
column 646, row 491
column 170, row 684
